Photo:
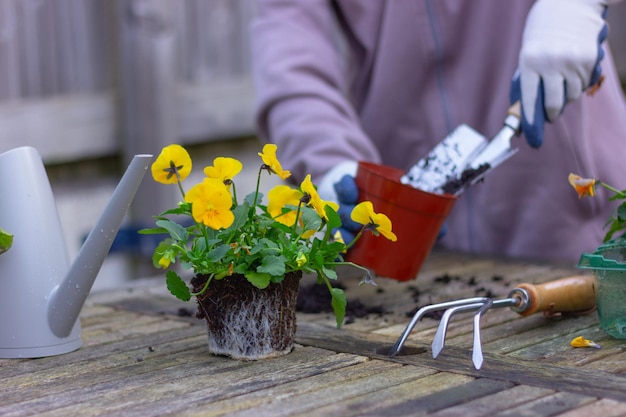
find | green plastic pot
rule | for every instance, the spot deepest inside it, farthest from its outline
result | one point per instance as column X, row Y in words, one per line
column 608, row 264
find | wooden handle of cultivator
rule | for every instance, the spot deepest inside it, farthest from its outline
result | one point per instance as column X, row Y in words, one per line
column 575, row 294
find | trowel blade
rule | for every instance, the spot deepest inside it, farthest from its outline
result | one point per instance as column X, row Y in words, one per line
column 447, row 160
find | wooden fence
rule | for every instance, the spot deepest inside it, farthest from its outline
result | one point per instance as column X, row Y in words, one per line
column 83, row 79
column 89, row 78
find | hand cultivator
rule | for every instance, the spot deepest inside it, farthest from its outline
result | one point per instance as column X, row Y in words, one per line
column 575, row 294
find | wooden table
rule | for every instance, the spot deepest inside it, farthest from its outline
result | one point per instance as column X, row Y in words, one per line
column 143, row 357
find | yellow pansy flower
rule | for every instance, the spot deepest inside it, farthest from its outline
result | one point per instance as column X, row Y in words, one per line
column 268, row 155
column 363, row 213
column 582, row 342
column 211, row 204
column 172, row 165
column 282, row 196
column 583, row 186
column 224, row 169
column 315, row 201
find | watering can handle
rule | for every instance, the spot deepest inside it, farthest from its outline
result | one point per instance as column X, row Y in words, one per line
column 574, row 294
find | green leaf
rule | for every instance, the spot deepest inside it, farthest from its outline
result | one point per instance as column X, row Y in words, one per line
column 241, row 216
column 621, row 212
column 330, row 273
column 261, row 281
column 177, row 286
column 175, row 230
column 339, row 304
column 310, row 219
column 334, row 221
column 6, row 240
column 250, row 198
column 218, row 253
column 272, row 265
column 152, row 231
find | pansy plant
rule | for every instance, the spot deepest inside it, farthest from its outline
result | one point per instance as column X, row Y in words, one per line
column 263, row 242
column 587, row 187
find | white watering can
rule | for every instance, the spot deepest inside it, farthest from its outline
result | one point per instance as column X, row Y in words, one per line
column 41, row 294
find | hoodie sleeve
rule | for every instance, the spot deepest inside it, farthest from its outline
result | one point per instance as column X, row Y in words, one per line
column 299, row 75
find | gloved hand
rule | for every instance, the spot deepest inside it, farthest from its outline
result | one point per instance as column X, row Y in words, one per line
column 560, row 56
column 348, row 195
column 338, row 185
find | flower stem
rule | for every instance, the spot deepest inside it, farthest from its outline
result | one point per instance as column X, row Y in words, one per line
column 610, row 188
column 180, row 187
column 234, row 194
column 357, row 237
column 206, row 285
column 258, row 185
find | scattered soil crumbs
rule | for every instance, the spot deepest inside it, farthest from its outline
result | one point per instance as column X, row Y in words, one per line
column 185, row 312
column 315, row 298
column 454, row 185
column 446, row 279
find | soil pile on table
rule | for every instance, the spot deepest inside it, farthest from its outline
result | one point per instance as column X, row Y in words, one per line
column 315, row 298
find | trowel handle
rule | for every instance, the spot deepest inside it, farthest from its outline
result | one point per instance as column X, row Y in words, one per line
column 574, row 294
column 515, row 109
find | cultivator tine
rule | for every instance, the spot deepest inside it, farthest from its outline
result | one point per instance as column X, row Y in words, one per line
column 477, row 350
column 429, row 309
column 440, row 337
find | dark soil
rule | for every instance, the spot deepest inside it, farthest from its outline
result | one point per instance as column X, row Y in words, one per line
column 315, row 298
column 446, row 279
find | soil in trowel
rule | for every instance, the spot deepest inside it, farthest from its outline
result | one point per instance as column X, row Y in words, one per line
column 455, row 185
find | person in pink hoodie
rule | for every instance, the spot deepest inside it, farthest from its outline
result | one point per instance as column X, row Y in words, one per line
column 385, row 81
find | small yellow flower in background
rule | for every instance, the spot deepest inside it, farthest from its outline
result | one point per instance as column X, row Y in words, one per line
column 224, row 169
column 315, row 201
column 338, row 237
column 582, row 342
column 164, row 262
column 364, row 214
column 211, row 203
column 587, row 187
column 583, row 186
column 280, row 197
column 268, row 155
column 172, row 165
column 301, row 259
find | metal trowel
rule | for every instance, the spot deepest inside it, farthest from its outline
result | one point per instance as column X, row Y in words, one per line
column 464, row 157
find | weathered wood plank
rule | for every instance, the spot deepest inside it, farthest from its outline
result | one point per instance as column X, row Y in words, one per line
column 547, row 406
column 449, row 397
column 309, row 394
column 209, row 379
column 489, row 405
column 394, row 400
column 603, row 408
column 452, row 359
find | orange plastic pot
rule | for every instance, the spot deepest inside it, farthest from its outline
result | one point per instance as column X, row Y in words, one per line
column 417, row 217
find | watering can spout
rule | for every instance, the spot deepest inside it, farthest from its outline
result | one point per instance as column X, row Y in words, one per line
column 67, row 299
